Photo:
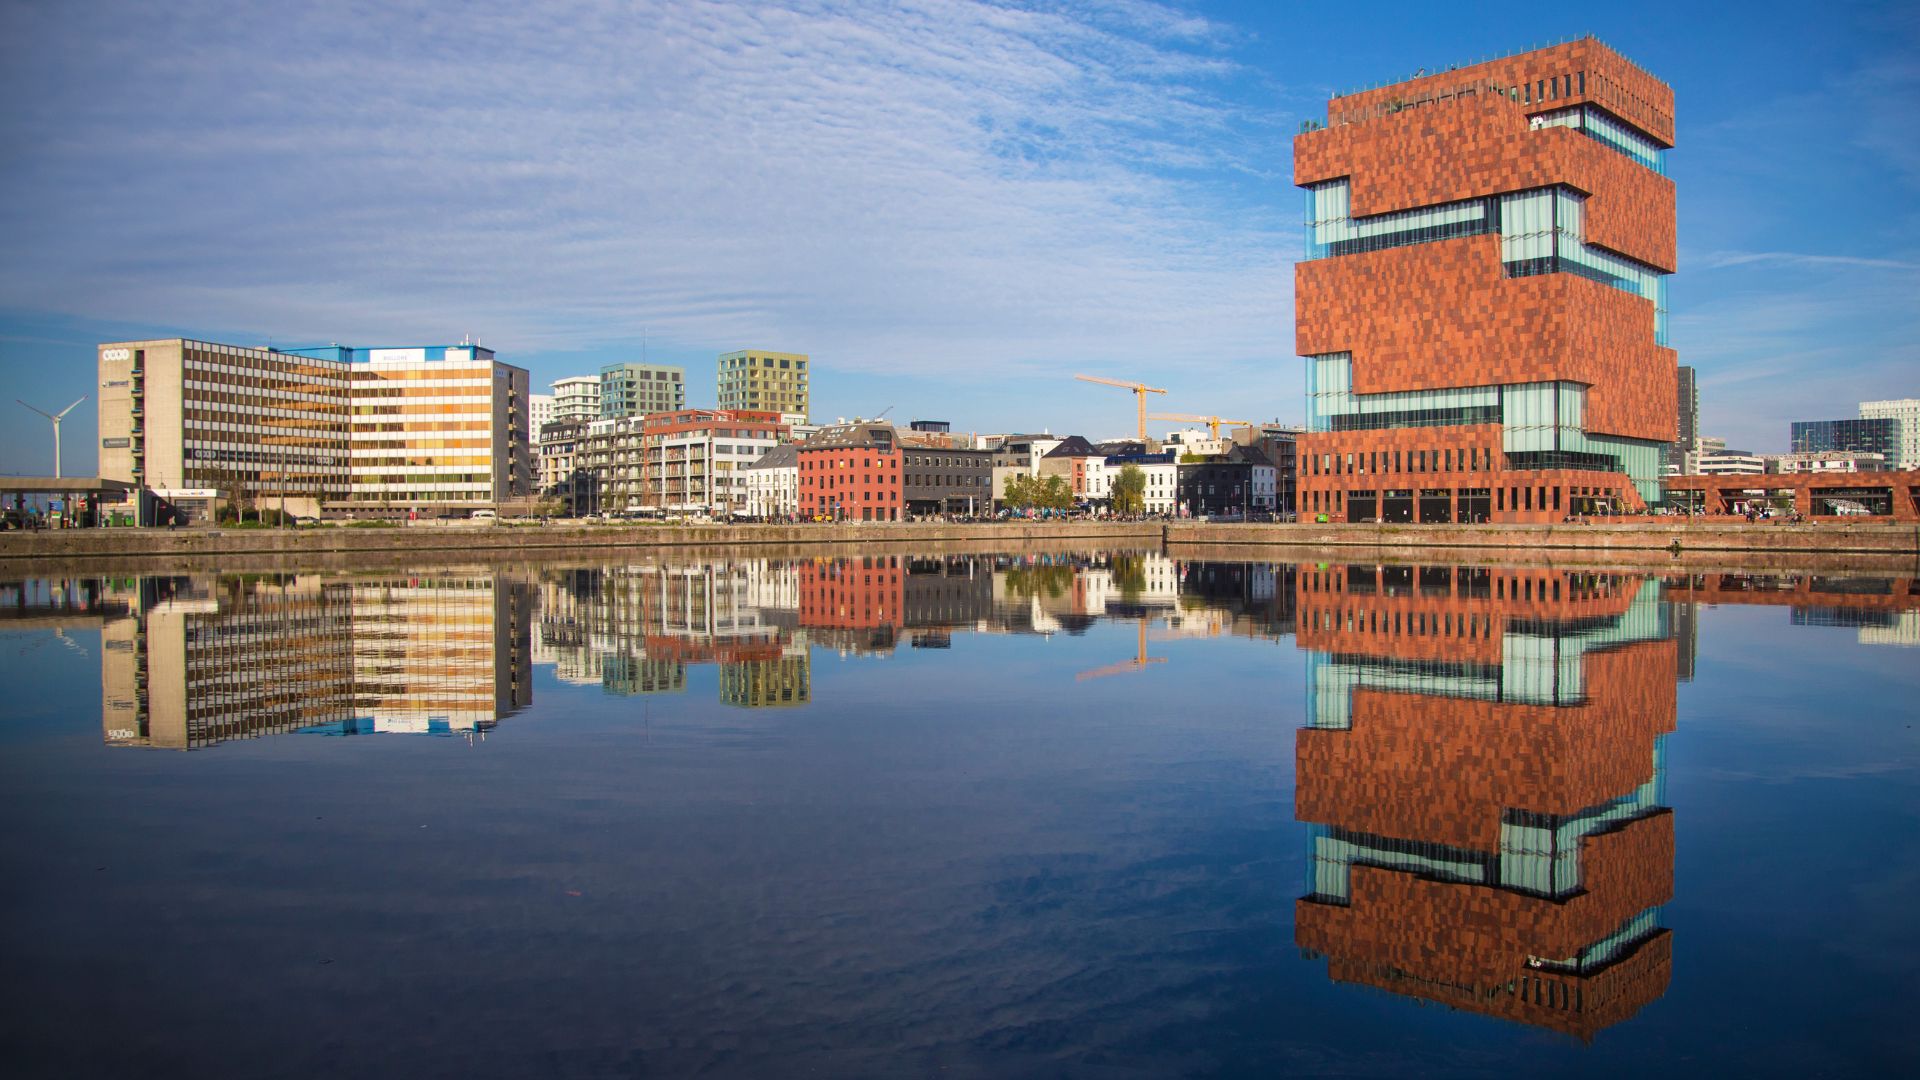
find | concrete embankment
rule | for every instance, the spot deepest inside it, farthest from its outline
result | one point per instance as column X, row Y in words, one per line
column 553, row 539
column 1770, row 546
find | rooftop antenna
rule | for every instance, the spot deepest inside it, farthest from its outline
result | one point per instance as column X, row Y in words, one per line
column 56, row 418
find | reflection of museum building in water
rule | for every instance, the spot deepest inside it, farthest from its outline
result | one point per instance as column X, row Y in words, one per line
column 1483, row 768
column 206, row 660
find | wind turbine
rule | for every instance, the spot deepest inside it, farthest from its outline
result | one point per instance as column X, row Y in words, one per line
column 56, row 418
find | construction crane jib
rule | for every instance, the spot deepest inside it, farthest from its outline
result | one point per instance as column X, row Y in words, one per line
column 1213, row 422
column 1140, row 392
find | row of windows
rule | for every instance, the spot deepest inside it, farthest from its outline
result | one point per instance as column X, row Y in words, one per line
column 1363, row 462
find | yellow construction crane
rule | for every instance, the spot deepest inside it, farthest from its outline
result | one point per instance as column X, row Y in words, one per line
column 1213, row 422
column 1140, row 392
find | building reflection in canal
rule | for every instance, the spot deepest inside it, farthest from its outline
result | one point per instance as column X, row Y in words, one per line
column 1482, row 768
column 205, row 660
column 1479, row 768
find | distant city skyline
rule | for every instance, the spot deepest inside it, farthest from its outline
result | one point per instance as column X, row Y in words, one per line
column 1096, row 188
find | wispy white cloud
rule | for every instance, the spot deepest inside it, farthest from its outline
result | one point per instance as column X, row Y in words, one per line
column 1720, row 260
column 899, row 186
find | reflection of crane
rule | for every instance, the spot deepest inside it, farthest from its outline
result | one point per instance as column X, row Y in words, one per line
column 1138, row 663
column 1213, row 422
column 1140, row 392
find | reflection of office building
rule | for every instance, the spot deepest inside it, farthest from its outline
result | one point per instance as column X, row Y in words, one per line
column 1483, row 763
column 205, row 661
column 440, row 653
column 227, row 659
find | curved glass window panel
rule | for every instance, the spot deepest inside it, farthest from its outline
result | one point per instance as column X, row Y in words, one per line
column 1333, row 230
column 1527, row 226
column 1598, row 125
column 1604, row 129
column 1333, row 406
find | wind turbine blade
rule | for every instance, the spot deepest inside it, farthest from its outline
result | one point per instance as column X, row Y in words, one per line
column 70, row 408
column 42, row 412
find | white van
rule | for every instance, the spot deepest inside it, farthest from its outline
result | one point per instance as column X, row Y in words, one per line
column 483, row 515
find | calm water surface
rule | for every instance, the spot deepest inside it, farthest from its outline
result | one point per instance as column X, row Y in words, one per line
column 1110, row 814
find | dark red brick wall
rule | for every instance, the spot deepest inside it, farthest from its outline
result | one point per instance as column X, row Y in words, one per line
column 1613, row 82
column 1444, row 314
column 1483, row 146
column 865, row 483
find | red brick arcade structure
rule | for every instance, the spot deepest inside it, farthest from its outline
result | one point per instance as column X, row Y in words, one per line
column 1482, row 303
column 1866, row 496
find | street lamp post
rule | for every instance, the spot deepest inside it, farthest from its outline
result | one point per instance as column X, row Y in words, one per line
column 56, row 418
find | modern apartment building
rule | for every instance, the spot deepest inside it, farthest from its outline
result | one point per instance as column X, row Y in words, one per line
column 1907, row 412
column 1482, row 304
column 764, row 381
column 639, row 389
column 539, row 413
column 694, row 460
column 576, row 399
column 435, row 430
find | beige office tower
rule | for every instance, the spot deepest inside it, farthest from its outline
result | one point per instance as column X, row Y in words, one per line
column 761, row 381
column 178, row 415
column 438, row 431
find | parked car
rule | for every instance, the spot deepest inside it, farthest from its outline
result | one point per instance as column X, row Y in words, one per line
column 483, row 515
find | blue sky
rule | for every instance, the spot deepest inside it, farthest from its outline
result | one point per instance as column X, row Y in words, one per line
column 952, row 207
